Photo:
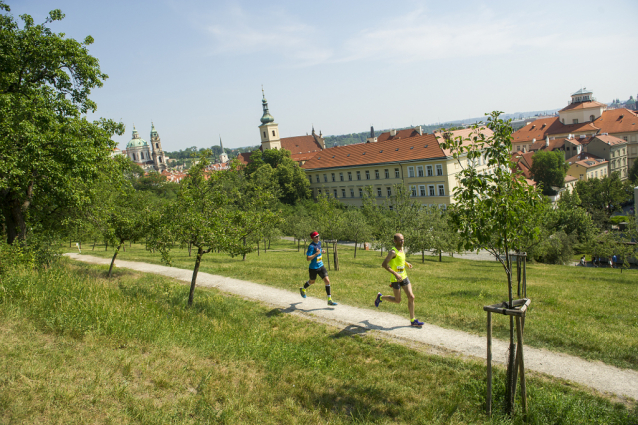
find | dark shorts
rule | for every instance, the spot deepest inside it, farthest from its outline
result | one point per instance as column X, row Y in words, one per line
column 398, row 285
column 322, row 272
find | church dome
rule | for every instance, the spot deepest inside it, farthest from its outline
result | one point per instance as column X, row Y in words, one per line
column 136, row 141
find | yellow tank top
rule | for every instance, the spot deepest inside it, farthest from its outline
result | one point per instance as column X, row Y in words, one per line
column 398, row 265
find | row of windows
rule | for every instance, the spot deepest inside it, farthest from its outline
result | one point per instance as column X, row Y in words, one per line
column 618, row 151
column 413, row 189
column 419, row 171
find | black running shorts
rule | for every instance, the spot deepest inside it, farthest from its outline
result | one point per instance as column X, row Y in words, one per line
column 322, row 272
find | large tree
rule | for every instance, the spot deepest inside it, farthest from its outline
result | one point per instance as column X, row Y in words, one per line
column 549, row 170
column 48, row 148
column 602, row 197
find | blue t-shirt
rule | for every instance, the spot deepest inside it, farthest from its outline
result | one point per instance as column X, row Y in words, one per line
column 316, row 262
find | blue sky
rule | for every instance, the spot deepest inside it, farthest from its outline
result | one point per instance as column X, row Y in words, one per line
column 195, row 68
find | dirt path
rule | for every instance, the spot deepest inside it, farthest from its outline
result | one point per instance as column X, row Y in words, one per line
column 607, row 379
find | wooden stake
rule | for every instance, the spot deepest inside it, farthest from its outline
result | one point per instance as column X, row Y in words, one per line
column 489, row 364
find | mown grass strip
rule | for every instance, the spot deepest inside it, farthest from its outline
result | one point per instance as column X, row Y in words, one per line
column 77, row 348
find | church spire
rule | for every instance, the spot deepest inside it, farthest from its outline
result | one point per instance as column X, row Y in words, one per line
column 220, row 143
column 266, row 118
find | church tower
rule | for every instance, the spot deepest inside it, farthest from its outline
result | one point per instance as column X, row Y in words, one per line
column 159, row 159
column 268, row 129
column 223, row 158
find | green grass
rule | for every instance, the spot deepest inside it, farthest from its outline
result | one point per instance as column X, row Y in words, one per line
column 587, row 312
column 78, row 348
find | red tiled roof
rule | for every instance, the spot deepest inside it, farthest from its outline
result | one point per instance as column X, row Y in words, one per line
column 555, row 144
column 548, row 126
column 300, row 144
column 620, row 120
column 244, row 157
column 583, row 105
column 582, row 156
column 401, row 134
column 610, row 140
column 403, row 149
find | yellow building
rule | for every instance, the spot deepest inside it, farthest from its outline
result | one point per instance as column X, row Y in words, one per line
column 587, row 166
column 406, row 157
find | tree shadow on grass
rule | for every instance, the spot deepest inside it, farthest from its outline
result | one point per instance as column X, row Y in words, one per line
column 355, row 403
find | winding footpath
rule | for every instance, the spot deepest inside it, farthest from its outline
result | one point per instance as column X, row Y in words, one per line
column 596, row 375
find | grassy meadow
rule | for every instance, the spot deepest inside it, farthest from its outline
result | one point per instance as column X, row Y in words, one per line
column 78, row 348
column 587, row 312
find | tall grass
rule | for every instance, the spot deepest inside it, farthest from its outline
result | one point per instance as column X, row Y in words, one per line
column 78, row 348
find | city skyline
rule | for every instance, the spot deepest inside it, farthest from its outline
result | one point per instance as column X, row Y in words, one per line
column 196, row 69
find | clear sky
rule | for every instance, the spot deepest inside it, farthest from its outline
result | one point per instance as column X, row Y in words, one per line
column 196, row 67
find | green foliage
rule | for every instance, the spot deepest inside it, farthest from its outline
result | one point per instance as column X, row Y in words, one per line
column 48, row 149
column 494, row 210
column 557, row 248
column 432, row 231
column 602, row 197
column 549, row 170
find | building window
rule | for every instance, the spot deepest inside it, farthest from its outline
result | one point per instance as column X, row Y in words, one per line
column 264, row 134
column 387, row 173
column 389, row 191
column 376, row 174
column 273, row 133
column 318, row 178
column 396, row 173
column 379, row 192
column 358, row 175
column 325, row 178
column 333, row 177
column 343, row 193
column 575, row 120
column 367, row 175
column 419, row 170
column 625, row 139
column 441, row 190
column 360, row 193
column 422, row 190
column 335, row 192
column 349, row 176
column 341, row 176
column 410, row 171
column 429, row 170
column 581, row 176
column 431, row 190
column 352, row 193
column 310, row 178
column 439, row 170
column 412, row 190
column 563, row 120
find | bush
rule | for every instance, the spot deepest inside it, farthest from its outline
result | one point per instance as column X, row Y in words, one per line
column 557, row 249
column 38, row 251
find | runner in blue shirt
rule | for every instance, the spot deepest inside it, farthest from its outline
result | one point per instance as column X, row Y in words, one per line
column 314, row 255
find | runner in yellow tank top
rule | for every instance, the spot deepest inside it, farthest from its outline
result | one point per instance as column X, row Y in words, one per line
column 395, row 263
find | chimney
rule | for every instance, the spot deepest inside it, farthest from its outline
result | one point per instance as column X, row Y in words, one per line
column 419, row 130
column 393, row 133
column 546, row 141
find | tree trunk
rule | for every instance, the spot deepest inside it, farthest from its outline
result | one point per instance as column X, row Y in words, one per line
column 113, row 260
column 244, row 257
column 264, row 245
column 422, row 257
column 299, row 245
column 191, row 294
column 106, row 245
column 440, row 256
column 189, row 249
column 94, row 243
column 70, row 242
column 257, row 248
column 336, row 258
column 355, row 249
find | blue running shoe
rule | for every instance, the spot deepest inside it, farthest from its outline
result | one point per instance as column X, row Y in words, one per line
column 378, row 300
column 415, row 322
column 330, row 302
column 302, row 291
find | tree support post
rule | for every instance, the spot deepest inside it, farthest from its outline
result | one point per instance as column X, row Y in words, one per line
column 489, row 364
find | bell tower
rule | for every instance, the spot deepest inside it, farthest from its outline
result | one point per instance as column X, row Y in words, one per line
column 159, row 159
column 223, row 157
column 269, row 130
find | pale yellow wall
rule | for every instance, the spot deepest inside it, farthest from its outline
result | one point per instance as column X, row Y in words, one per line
column 268, row 139
column 449, row 168
column 582, row 173
column 583, row 115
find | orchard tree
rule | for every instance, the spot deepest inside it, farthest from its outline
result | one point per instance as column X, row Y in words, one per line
column 48, row 148
column 357, row 228
column 493, row 209
column 213, row 212
column 549, row 170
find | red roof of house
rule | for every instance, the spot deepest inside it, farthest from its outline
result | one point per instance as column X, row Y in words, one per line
column 412, row 148
column 620, row 120
column 610, row 140
column 301, row 144
column 583, row 105
column 549, row 126
column 400, row 134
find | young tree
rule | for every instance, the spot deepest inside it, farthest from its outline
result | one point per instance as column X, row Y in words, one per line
column 357, row 228
column 48, row 149
column 549, row 170
column 492, row 209
column 212, row 212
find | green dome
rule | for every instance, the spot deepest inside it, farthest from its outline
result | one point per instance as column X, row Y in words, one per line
column 266, row 118
column 136, row 141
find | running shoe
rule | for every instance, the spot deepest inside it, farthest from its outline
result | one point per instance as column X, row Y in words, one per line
column 378, row 300
column 416, row 322
column 302, row 291
column 330, row 302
